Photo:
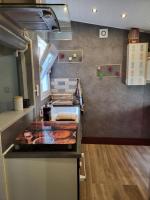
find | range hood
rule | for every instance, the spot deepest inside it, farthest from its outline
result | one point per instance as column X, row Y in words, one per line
column 52, row 18
column 10, row 39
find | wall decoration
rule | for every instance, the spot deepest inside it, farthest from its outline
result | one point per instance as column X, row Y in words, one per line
column 70, row 56
column 109, row 70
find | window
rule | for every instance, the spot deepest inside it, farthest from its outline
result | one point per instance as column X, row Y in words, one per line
column 46, row 63
column 41, row 47
column 44, row 86
column 47, row 56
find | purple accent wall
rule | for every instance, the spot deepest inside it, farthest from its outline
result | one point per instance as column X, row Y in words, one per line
column 112, row 109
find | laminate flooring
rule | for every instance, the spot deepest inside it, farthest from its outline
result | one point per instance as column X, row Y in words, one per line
column 116, row 172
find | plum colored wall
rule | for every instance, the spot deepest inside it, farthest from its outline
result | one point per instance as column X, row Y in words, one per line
column 112, row 109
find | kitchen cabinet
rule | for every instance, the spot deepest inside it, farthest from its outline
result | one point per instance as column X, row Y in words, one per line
column 45, row 170
column 136, row 63
column 10, row 122
column 42, row 178
column 148, row 70
column 3, row 192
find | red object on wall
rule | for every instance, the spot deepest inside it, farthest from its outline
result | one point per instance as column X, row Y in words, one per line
column 61, row 55
column 110, row 69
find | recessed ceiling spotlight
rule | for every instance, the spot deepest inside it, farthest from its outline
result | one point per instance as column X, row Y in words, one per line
column 124, row 15
column 94, row 10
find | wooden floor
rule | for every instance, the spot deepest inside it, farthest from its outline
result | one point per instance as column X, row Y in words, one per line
column 116, row 172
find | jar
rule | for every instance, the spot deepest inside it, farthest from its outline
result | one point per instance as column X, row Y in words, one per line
column 133, row 36
column 18, row 103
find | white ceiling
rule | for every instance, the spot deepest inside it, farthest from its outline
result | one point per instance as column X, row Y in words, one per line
column 109, row 12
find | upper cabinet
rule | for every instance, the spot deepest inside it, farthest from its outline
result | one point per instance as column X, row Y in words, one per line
column 136, row 63
column 18, row 1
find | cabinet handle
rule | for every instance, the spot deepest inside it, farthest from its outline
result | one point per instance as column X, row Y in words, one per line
column 83, row 177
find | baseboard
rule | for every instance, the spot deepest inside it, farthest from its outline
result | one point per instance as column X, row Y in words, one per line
column 116, row 141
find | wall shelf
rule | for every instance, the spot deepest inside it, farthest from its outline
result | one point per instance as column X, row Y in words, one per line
column 109, row 70
column 70, row 56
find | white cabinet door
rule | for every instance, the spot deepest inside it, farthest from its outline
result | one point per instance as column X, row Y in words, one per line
column 136, row 64
column 3, row 194
column 42, row 178
column 1, row 180
column 148, row 71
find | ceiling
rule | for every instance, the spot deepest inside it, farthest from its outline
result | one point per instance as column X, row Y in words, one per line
column 109, row 12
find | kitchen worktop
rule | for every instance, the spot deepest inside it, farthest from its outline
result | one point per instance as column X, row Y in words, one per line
column 75, row 153
column 10, row 117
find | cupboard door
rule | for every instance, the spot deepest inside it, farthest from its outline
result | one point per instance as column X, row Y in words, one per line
column 3, row 192
column 148, row 71
column 42, row 179
column 136, row 64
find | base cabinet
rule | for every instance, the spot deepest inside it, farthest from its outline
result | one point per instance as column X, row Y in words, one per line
column 3, row 193
column 42, row 178
column 3, row 190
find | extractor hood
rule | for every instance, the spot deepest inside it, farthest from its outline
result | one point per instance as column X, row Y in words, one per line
column 10, row 39
column 52, row 18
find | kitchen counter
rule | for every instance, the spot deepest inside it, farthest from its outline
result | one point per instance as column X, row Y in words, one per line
column 49, row 154
column 10, row 117
column 46, row 172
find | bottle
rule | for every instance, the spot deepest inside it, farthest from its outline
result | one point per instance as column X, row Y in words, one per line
column 46, row 113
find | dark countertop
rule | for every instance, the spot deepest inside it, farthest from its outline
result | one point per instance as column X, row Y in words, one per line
column 50, row 154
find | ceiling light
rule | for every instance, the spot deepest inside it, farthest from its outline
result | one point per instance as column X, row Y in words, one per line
column 94, row 10
column 65, row 9
column 124, row 15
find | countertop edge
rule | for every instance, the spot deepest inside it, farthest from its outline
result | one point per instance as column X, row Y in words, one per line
column 50, row 154
column 42, row 155
column 9, row 118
